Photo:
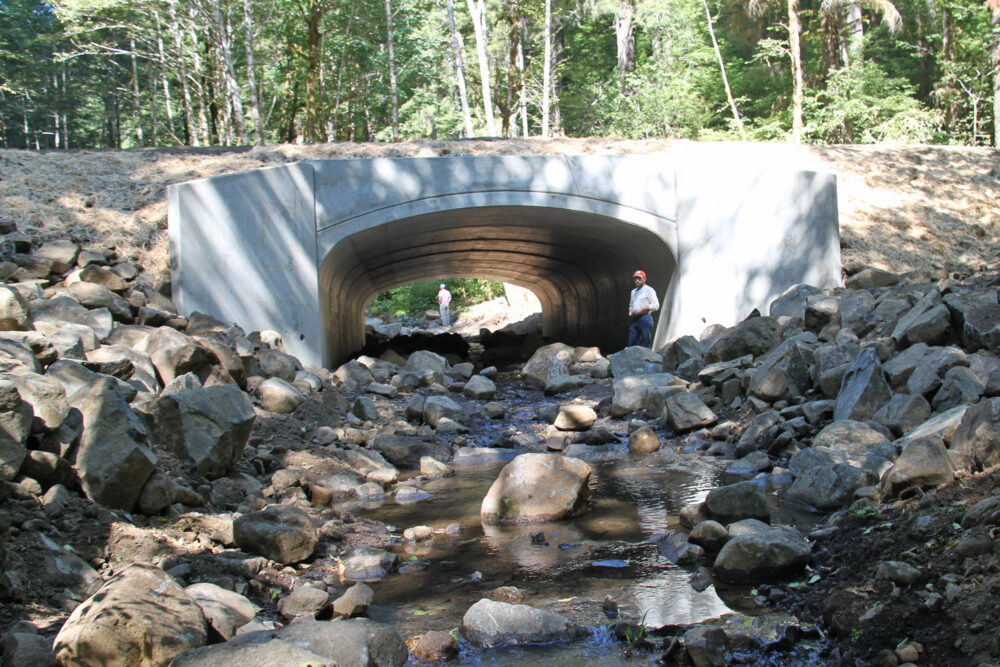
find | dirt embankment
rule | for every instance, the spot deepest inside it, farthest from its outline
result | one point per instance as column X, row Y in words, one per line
column 903, row 208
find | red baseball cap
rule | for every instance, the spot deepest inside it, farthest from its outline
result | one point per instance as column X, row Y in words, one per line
column 641, row 274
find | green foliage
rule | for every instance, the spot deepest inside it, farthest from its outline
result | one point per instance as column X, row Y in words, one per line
column 413, row 299
column 864, row 105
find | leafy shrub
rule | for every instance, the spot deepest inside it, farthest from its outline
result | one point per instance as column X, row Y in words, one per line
column 413, row 299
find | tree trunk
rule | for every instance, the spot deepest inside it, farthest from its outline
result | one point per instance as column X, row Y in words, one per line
column 340, row 70
column 203, row 103
column 855, row 34
column 722, row 69
column 523, row 102
column 314, row 15
column 625, row 39
column 229, row 73
column 547, row 70
column 136, row 100
column 995, row 22
column 393, row 91
column 456, row 47
column 478, row 13
column 258, row 124
column 794, row 32
column 174, row 28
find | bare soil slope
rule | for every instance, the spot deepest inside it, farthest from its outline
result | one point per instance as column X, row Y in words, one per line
column 904, row 208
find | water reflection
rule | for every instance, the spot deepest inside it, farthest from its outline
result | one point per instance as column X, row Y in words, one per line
column 635, row 499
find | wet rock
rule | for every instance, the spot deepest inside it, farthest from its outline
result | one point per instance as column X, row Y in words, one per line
column 742, row 500
column 643, row 441
column 923, row 463
column 225, row 610
column 406, row 494
column 367, row 564
column 709, row 534
column 635, row 360
column 754, row 435
column 434, row 646
column 113, row 456
column 303, row 601
column 354, row 602
column 575, row 417
column 480, row 388
column 863, row 390
column 490, row 623
column 357, row 641
column 277, row 395
column 706, row 646
column 139, row 617
column 748, row 466
column 678, row 549
column 433, row 468
column 281, row 533
column 757, row 556
column 535, row 488
column 206, row 428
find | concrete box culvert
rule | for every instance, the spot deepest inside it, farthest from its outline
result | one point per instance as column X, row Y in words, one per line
column 301, row 248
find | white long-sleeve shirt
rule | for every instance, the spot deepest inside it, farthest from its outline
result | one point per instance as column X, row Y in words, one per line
column 644, row 297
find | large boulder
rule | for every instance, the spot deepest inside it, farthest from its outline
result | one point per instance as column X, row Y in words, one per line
column 437, row 408
column 742, row 500
column 15, row 314
column 280, row 532
column 62, row 309
column 491, row 623
column 755, row 336
column 405, row 451
column 425, row 360
column 353, row 375
column 903, row 413
column 46, row 396
column 367, row 563
column 206, row 428
column 923, row 463
column 827, row 488
column 927, row 322
column 358, row 642
column 173, row 354
column 548, row 362
column 685, row 412
column 225, row 610
column 281, row 396
column 757, row 556
column 864, row 388
column 480, row 388
column 635, row 360
column 113, row 457
column 535, row 488
column 15, row 424
column 629, row 391
column 976, row 442
column 575, row 417
column 981, row 329
column 783, row 373
column 141, row 617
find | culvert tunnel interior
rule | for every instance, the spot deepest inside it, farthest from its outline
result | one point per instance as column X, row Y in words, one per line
column 578, row 264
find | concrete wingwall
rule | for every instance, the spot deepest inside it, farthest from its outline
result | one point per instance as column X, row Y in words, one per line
column 302, row 248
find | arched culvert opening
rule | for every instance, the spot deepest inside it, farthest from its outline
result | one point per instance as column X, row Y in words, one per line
column 578, row 264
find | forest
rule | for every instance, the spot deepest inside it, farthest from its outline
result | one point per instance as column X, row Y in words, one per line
column 142, row 73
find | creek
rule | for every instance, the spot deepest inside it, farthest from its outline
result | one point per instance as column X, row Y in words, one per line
column 569, row 567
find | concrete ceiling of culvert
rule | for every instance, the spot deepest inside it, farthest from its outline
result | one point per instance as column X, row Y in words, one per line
column 550, row 251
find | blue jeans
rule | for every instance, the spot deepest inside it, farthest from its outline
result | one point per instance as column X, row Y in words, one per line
column 640, row 332
column 445, row 313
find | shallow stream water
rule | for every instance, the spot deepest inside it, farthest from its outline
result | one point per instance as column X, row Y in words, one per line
column 569, row 567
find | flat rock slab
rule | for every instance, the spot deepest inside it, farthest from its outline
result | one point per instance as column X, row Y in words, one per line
column 490, row 623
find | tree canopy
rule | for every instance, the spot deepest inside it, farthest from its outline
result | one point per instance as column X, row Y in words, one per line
column 111, row 73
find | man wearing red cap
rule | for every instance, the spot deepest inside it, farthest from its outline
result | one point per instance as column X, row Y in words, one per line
column 641, row 306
